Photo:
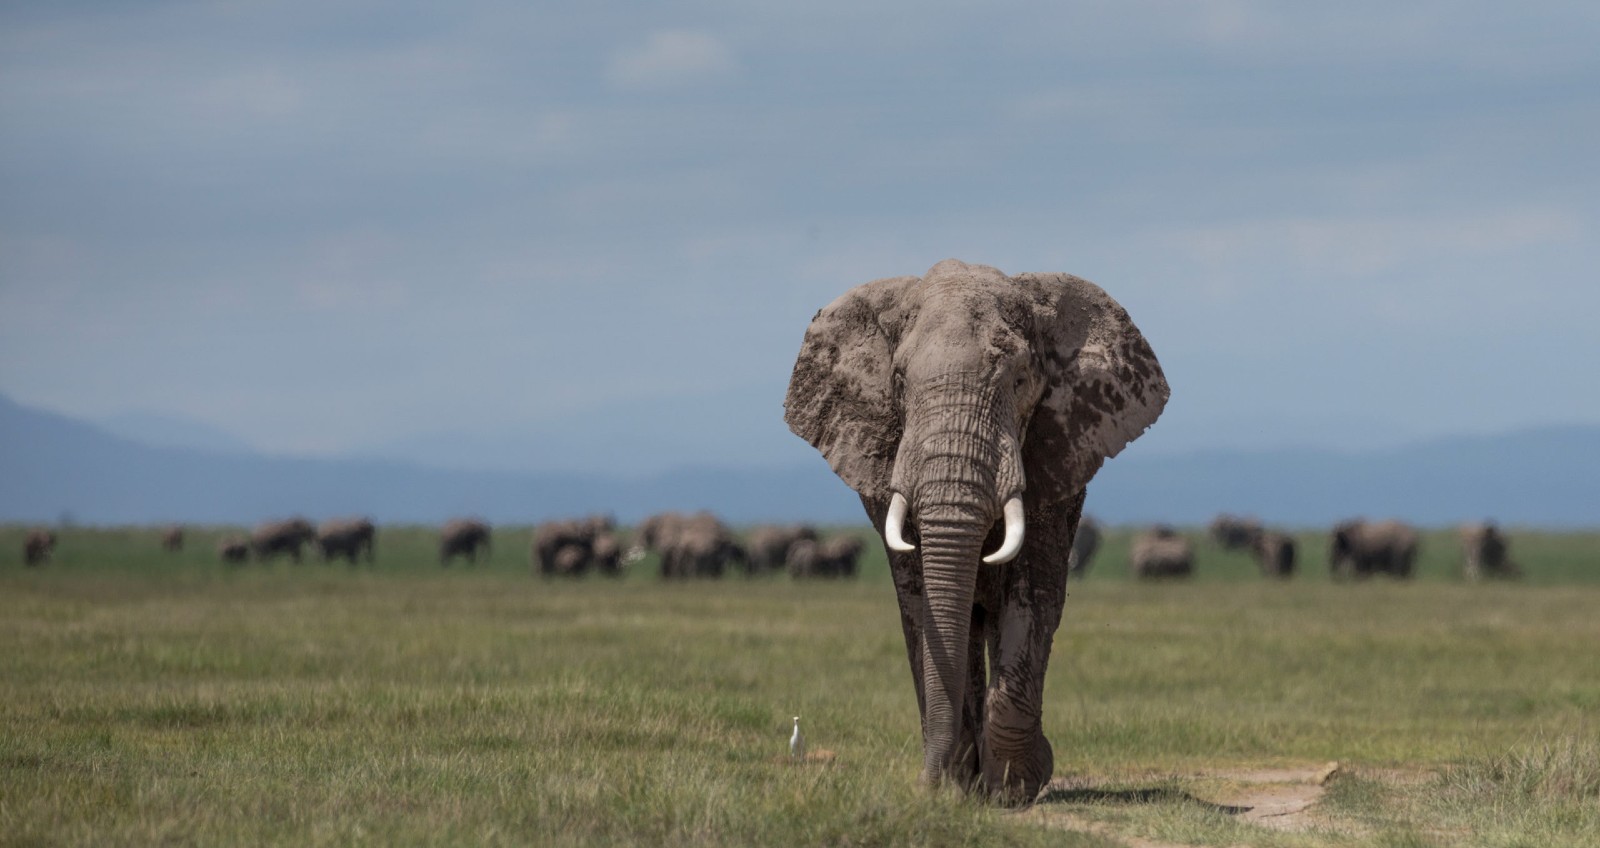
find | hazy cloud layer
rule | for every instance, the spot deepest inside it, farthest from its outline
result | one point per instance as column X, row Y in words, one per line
column 671, row 58
column 329, row 225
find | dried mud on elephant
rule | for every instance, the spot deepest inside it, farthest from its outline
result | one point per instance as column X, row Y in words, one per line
column 969, row 409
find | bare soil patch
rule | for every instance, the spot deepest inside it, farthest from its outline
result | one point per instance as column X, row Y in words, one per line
column 1278, row 798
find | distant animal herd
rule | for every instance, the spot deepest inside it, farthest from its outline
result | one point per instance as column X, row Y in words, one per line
column 1357, row 548
column 699, row 545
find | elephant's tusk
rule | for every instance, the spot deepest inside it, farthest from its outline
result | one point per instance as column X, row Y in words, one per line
column 892, row 526
column 1013, row 541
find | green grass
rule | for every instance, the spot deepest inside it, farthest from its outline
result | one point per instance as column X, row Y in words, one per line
column 154, row 698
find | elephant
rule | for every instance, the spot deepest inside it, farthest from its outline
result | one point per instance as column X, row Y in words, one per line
column 833, row 557
column 1274, row 553
column 969, row 409
column 592, row 540
column 1084, row 544
column 282, row 537
column 697, row 546
column 802, row 557
column 652, row 530
column 39, row 545
column 1483, row 553
column 841, row 556
column 1161, row 552
column 606, row 553
column 172, row 538
column 768, row 545
column 347, row 538
column 687, row 544
column 570, row 561
column 233, row 550
column 1235, row 532
column 1359, row 549
column 551, row 536
column 463, row 537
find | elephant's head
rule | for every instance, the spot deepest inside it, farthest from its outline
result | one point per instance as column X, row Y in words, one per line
column 960, row 398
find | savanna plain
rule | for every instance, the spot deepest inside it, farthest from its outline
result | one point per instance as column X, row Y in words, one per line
column 158, row 698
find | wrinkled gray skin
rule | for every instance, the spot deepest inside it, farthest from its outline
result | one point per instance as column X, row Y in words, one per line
column 348, row 538
column 1360, row 548
column 833, row 557
column 1484, row 553
column 233, row 550
column 38, row 546
column 1274, row 553
column 768, row 545
column 960, row 390
column 282, row 537
column 463, row 537
column 1084, row 544
column 172, row 539
column 1234, row 532
column 1161, row 553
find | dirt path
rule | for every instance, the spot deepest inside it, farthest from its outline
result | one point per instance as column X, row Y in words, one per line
column 1277, row 798
column 1281, row 799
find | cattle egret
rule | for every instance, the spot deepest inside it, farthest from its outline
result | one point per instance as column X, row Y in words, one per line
column 797, row 742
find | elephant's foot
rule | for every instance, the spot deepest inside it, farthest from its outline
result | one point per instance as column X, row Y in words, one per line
column 1016, row 781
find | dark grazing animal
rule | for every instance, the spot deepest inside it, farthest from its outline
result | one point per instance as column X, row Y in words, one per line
column 1161, row 553
column 463, row 537
column 39, row 545
column 1360, row 548
column 282, row 537
column 348, row 538
column 233, row 550
column 1274, row 552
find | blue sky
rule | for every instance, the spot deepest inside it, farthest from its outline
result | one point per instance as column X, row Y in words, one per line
column 333, row 225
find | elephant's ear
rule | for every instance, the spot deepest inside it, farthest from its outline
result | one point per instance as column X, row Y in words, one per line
column 841, row 396
column 1103, row 388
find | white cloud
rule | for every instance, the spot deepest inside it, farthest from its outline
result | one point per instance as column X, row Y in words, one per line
column 671, row 58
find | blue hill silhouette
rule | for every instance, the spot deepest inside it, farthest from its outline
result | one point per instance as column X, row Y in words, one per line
column 53, row 465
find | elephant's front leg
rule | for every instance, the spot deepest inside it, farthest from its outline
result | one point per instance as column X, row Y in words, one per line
column 1018, row 760
column 906, row 570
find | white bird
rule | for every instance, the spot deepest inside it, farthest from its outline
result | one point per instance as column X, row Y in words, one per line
column 797, row 742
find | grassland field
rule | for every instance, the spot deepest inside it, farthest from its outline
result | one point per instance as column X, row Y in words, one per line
column 154, row 698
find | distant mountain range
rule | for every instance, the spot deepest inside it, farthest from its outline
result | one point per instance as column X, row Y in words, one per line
column 171, row 431
column 740, row 428
column 53, row 466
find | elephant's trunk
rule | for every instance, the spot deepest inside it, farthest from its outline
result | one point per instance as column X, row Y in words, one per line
column 958, row 464
column 951, row 542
